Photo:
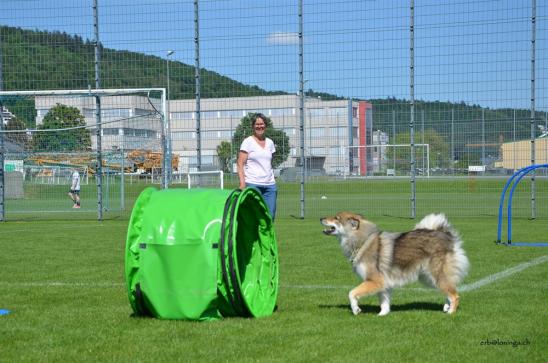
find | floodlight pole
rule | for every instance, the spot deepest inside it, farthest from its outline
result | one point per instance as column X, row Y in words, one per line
column 121, row 132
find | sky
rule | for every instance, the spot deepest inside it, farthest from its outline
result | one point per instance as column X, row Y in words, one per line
column 472, row 51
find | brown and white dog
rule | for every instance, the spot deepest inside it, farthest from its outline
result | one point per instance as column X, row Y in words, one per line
column 431, row 253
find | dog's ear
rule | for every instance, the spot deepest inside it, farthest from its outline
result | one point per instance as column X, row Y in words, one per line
column 355, row 223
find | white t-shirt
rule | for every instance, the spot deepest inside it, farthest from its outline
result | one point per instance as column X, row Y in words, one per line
column 75, row 181
column 258, row 168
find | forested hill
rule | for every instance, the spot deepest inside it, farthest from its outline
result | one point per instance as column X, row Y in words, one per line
column 39, row 60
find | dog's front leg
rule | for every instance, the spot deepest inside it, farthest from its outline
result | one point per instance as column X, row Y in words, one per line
column 354, row 304
column 367, row 287
column 384, row 299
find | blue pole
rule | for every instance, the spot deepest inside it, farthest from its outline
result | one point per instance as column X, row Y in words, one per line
column 509, row 206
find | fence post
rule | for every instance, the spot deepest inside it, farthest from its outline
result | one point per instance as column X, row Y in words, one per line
column 197, row 83
column 99, row 171
column 2, row 179
column 301, row 104
column 532, row 120
column 412, row 96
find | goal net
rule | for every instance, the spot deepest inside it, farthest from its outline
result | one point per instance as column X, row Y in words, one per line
column 386, row 160
column 213, row 179
column 113, row 138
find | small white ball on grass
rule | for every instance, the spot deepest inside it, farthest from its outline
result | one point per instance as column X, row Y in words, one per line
column 324, row 197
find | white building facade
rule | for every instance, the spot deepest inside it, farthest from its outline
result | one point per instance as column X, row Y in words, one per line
column 335, row 131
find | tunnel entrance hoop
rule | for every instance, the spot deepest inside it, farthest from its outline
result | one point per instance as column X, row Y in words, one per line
column 512, row 182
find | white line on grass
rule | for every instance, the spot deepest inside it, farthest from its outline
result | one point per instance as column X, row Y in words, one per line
column 500, row 275
column 313, row 287
column 61, row 284
column 58, row 227
column 468, row 287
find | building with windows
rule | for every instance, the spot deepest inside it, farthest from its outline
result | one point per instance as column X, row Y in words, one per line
column 336, row 131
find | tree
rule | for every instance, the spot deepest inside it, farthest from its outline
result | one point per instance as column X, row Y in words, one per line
column 62, row 117
column 280, row 139
column 224, row 152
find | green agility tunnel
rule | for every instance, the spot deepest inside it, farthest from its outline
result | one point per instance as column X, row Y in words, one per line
column 201, row 254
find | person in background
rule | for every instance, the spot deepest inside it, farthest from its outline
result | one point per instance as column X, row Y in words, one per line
column 74, row 192
column 255, row 163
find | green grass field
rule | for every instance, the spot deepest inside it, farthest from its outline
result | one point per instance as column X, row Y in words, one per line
column 374, row 197
column 63, row 281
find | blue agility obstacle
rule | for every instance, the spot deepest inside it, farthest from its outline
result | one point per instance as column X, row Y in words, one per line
column 514, row 181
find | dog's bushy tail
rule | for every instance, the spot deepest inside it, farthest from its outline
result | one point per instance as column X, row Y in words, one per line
column 435, row 222
column 439, row 222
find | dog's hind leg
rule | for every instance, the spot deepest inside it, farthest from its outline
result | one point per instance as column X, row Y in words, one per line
column 452, row 297
column 384, row 299
column 367, row 287
column 447, row 305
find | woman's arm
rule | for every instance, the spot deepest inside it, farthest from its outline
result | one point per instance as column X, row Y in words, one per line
column 242, row 158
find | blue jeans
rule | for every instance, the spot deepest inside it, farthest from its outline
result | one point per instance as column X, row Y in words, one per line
column 269, row 193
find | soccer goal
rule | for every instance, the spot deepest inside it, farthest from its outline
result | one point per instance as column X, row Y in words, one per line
column 205, row 179
column 386, row 160
column 114, row 138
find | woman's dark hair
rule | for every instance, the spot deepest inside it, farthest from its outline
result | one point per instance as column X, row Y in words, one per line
column 257, row 116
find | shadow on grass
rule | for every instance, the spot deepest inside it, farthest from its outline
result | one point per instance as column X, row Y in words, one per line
column 140, row 316
column 376, row 308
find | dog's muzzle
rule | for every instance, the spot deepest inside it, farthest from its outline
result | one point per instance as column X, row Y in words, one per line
column 329, row 230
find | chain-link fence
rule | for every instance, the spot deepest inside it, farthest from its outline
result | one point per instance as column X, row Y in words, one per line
column 389, row 107
column 113, row 140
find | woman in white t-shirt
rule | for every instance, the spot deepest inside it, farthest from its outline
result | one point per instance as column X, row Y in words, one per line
column 255, row 163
